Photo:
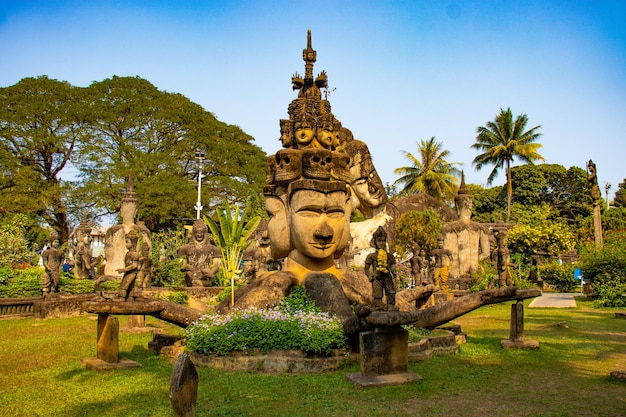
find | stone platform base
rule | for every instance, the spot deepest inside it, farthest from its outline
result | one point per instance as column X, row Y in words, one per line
column 618, row 374
column 287, row 361
column 381, row 380
column 520, row 344
column 100, row 365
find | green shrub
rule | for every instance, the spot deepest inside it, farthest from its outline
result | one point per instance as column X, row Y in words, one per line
column 166, row 266
column 560, row 277
column 606, row 269
column 297, row 324
column 177, row 297
column 18, row 283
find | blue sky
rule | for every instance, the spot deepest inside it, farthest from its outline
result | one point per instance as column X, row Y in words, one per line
column 400, row 70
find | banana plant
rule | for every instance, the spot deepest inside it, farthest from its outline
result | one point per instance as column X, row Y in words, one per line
column 230, row 233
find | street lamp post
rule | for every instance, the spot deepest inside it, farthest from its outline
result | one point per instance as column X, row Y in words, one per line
column 607, row 187
column 200, row 158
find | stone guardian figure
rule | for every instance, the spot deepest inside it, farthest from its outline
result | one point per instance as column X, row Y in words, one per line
column 52, row 260
column 380, row 268
column 200, row 258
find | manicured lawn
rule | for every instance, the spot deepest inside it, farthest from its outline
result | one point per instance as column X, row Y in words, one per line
column 40, row 374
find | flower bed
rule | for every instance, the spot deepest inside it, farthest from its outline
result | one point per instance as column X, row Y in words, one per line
column 265, row 330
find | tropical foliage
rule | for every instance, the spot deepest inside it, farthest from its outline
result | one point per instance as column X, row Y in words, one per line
column 231, row 233
column 419, row 228
column 503, row 140
column 429, row 172
column 605, row 268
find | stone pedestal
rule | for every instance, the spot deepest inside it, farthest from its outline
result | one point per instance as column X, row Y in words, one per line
column 108, row 346
column 136, row 321
column 516, row 334
column 384, row 356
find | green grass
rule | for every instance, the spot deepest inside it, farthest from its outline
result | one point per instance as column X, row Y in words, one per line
column 40, row 374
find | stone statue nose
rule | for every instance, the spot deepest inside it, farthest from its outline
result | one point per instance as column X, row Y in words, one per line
column 324, row 232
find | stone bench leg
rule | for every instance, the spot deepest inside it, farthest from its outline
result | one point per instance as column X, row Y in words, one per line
column 108, row 342
column 384, row 358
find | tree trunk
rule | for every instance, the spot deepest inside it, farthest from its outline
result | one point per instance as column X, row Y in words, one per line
column 509, row 191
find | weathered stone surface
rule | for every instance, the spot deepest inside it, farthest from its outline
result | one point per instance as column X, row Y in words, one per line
column 282, row 361
column 108, row 341
column 172, row 313
column 442, row 313
column 161, row 340
column 384, row 351
column 184, row 387
column 100, row 365
column 516, row 332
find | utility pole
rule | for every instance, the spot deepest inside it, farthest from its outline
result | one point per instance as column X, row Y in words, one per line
column 607, row 187
column 200, row 158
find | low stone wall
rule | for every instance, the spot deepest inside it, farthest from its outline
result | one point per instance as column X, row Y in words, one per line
column 281, row 361
column 441, row 342
column 17, row 307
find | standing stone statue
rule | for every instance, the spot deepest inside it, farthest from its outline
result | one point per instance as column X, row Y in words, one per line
column 380, row 268
column 466, row 239
column 83, row 255
column 52, row 260
column 200, row 258
column 593, row 181
column 595, row 195
column 502, row 257
column 442, row 258
column 115, row 236
column 145, row 268
column 131, row 267
column 419, row 267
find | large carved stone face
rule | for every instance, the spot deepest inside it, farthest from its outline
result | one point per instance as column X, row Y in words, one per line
column 277, row 227
column 304, row 132
column 318, row 221
column 326, row 134
column 286, row 133
column 367, row 185
column 199, row 234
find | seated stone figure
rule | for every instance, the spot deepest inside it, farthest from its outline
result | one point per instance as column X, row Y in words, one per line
column 200, row 258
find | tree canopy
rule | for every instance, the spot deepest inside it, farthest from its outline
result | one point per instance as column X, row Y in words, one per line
column 429, row 172
column 108, row 131
column 503, row 140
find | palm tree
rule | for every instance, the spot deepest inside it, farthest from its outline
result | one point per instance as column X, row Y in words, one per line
column 430, row 173
column 502, row 141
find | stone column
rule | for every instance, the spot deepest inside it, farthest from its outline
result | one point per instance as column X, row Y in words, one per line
column 516, row 332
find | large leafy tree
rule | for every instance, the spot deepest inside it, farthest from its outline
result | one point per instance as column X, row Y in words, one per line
column 620, row 195
column 503, row 140
column 152, row 135
column 41, row 123
column 429, row 172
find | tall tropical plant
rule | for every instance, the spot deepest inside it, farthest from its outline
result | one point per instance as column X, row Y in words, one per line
column 503, row 140
column 430, row 172
column 231, row 232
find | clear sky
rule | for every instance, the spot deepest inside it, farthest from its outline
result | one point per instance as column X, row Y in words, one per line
column 398, row 70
